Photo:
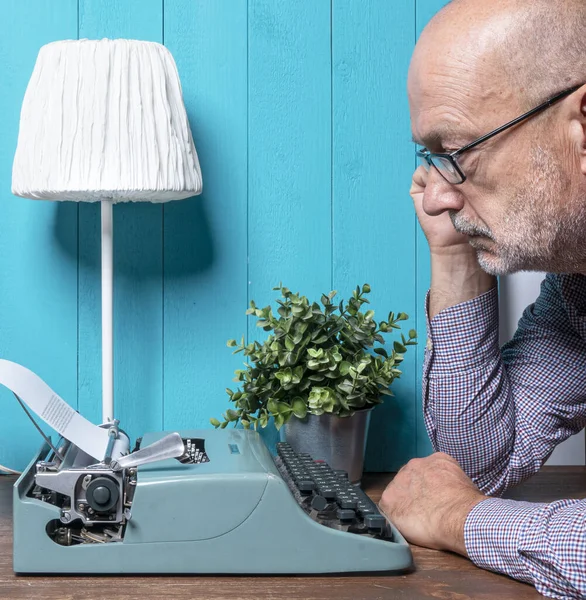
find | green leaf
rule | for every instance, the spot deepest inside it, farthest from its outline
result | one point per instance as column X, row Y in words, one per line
column 382, row 352
column 301, row 327
column 283, row 408
column 289, row 343
column 369, row 315
column 299, row 407
column 399, row 347
column 231, row 415
column 316, row 377
column 286, row 359
column 215, row 422
column 412, row 334
column 232, row 343
column 366, row 289
column 285, row 376
column 305, row 383
column 297, row 373
column 344, row 368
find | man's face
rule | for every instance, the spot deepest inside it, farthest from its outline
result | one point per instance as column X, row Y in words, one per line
column 519, row 203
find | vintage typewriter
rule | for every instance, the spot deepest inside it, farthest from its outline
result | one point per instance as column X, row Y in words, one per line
column 205, row 501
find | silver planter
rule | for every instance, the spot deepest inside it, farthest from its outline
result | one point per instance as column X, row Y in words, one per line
column 340, row 441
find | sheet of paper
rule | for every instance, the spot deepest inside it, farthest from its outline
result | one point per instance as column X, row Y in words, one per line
column 43, row 401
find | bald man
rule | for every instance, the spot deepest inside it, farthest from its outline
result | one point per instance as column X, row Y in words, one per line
column 498, row 109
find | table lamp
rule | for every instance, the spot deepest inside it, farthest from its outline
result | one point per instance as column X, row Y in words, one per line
column 104, row 121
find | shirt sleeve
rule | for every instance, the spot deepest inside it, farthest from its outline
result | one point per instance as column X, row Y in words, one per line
column 542, row 544
column 501, row 411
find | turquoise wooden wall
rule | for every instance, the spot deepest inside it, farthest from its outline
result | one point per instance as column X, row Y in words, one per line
column 300, row 118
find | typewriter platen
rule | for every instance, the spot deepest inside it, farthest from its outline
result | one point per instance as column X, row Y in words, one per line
column 204, row 501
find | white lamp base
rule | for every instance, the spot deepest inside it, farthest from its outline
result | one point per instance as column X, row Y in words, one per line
column 107, row 311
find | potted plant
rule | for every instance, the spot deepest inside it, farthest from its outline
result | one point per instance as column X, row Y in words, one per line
column 316, row 376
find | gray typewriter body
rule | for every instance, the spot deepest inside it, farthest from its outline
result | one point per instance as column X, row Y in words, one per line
column 231, row 512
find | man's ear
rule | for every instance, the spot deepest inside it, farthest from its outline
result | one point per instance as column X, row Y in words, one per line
column 578, row 127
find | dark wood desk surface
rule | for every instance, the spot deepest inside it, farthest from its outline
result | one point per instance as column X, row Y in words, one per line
column 436, row 575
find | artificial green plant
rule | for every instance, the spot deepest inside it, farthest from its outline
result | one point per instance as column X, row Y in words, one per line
column 316, row 360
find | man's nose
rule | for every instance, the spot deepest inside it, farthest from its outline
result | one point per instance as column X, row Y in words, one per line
column 440, row 196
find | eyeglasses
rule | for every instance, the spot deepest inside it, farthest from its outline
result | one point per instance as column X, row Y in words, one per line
column 447, row 163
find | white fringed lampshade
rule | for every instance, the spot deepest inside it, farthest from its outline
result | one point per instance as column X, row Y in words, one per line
column 105, row 120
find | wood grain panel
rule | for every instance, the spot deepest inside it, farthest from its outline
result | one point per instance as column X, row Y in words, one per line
column 205, row 237
column 374, row 220
column 289, row 175
column 38, row 239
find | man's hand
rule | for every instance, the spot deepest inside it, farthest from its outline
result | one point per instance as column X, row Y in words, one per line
column 428, row 501
column 456, row 275
column 439, row 230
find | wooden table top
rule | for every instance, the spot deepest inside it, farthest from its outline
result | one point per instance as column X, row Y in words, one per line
column 437, row 575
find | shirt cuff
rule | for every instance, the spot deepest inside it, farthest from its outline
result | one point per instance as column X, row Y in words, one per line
column 493, row 532
column 465, row 335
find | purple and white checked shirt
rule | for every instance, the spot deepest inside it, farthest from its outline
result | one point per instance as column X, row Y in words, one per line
column 500, row 412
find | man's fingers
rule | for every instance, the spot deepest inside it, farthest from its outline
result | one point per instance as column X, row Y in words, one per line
column 419, row 180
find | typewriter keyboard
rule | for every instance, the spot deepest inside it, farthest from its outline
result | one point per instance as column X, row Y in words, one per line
column 328, row 497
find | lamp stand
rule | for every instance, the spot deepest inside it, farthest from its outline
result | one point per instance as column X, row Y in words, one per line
column 107, row 311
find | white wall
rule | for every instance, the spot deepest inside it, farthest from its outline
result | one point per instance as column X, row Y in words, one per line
column 516, row 293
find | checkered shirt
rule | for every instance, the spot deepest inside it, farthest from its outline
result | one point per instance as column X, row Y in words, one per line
column 500, row 412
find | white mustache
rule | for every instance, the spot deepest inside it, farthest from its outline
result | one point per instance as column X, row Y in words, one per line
column 462, row 226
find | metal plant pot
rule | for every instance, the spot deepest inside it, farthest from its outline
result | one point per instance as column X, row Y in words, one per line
column 340, row 441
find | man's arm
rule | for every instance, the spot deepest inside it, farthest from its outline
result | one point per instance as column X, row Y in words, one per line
column 456, row 277
column 434, row 504
column 543, row 544
column 501, row 416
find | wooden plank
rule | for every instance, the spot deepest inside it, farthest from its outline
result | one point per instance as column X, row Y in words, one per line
column 38, row 240
column 138, row 264
column 205, row 236
column 373, row 217
column 289, row 217
column 425, row 9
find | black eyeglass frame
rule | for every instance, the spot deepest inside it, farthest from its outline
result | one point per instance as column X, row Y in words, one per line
column 451, row 157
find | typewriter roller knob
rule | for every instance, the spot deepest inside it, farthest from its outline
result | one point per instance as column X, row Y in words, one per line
column 102, row 494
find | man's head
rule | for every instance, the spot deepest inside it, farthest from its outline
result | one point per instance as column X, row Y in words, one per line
column 477, row 66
